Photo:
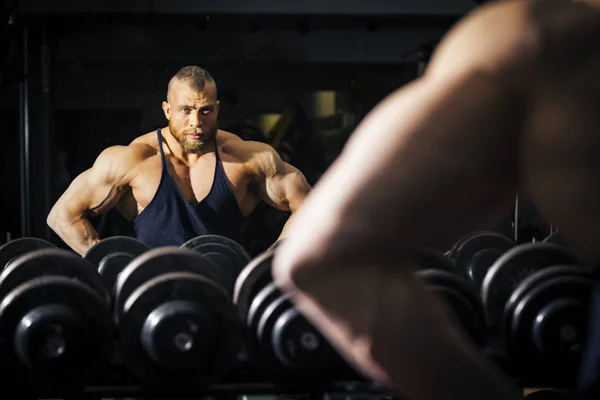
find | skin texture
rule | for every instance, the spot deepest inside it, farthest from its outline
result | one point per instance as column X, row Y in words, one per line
column 504, row 107
column 127, row 177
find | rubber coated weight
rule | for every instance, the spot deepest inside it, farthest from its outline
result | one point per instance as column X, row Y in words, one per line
column 280, row 339
column 180, row 328
column 292, row 341
column 461, row 299
column 50, row 261
column 157, row 262
column 297, row 344
column 261, row 301
column 432, row 259
column 480, row 265
column 477, row 252
column 512, row 268
column 18, row 247
column 251, row 280
column 451, row 253
column 534, row 279
column 111, row 256
column 229, row 256
column 549, row 323
column 56, row 330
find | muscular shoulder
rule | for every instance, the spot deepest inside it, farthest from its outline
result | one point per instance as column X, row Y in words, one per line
column 258, row 158
column 489, row 39
column 234, row 146
column 513, row 38
column 119, row 161
column 147, row 140
column 229, row 143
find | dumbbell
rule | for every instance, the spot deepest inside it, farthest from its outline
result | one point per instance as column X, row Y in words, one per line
column 177, row 325
column 111, row 256
column 474, row 254
column 536, row 296
column 458, row 296
column 17, row 247
column 280, row 341
column 55, row 322
column 228, row 255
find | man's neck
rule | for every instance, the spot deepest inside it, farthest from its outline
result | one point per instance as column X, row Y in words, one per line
column 189, row 158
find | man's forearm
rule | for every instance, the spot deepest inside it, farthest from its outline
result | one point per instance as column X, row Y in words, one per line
column 78, row 234
column 383, row 319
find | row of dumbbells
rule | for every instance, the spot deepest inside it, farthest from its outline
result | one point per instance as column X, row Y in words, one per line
column 535, row 299
column 171, row 315
column 186, row 314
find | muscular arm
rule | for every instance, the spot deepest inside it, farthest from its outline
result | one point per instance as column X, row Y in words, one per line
column 93, row 192
column 278, row 183
column 427, row 180
column 433, row 161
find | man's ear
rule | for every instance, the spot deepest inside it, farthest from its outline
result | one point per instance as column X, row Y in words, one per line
column 167, row 110
column 217, row 106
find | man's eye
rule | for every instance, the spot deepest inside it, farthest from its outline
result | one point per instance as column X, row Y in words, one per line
column 186, row 110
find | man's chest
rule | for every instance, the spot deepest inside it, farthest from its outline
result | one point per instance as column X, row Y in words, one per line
column 194, row 182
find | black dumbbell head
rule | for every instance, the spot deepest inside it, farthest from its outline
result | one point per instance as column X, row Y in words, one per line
column 511, row 269
column 55, row 328
column 179, row 328
column 255, row 276
column 286, row 336
column 157, row 262
column 281, row 342
column 50, row 261
column 228, row 255
column 469, row 259
column 546, row 319
column 431, row 259
column 461, row 300
column 18, row 247
column 111, row 256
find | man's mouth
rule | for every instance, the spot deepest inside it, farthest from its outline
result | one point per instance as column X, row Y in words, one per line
column 194, row 136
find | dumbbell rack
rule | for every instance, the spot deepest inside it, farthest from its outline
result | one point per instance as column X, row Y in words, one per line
column 243, row 380
column 254, row 295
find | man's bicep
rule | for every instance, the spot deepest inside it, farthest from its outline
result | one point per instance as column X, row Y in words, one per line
column 432, row 161
column 286, row 188
column 278, row 183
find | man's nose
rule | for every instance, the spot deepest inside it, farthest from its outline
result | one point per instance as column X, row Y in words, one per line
column 195, row 120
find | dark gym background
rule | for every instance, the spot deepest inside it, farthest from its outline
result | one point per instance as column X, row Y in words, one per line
column 79, row 76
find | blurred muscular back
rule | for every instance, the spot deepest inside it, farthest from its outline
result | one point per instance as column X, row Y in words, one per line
column 560, row 152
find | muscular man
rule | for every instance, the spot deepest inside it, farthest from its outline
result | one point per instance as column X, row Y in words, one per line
column 508, row 104
column 181, row 181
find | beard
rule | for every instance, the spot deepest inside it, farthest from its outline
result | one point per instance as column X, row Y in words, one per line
column 191, row 145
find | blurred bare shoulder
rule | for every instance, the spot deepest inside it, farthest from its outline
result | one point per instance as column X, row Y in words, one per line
column 498, row 38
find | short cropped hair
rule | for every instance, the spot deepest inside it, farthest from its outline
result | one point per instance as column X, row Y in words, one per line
column 196, row 76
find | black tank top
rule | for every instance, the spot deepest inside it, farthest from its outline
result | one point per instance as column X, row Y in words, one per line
column 169, row 220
